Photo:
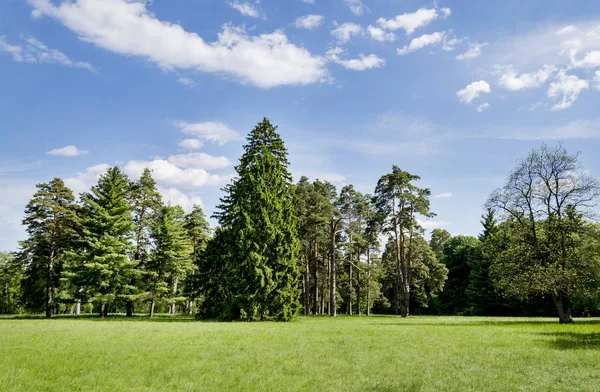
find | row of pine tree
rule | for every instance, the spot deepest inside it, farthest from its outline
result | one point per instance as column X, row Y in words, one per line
column 280, row 249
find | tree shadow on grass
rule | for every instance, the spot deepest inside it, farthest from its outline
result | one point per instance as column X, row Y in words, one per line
column 572, row 340
column 500, row 322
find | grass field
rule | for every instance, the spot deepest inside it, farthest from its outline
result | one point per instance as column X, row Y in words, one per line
column 313, row 354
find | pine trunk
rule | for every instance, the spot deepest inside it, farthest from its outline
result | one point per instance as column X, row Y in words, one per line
column 332, row 291
column 316, row 281
column 102, row 310
column 78, row 307
column 173, row 307
column 152, row 308
column 369, row 282
column 350, row 289
column 358, row 293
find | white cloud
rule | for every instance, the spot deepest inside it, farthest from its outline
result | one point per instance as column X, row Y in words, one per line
column 191, row 144
column 213, row 131
column 175, row 197
column 597, row 81
column 409, row 22
column 566, row 88
column 309, row 22
column 473, row 51
column 421, row 42
column 246, row 8
column 344, row 32
column 309, row 1
column 590, row 60
column 428, row 225
column 356, row 6
column 128, row 28
column 513, row 82
column 360, row 64
column 169, row 174
column 380, row 35
column 473, row 91
column 483, row 107
column 442, row 195
column 187, row 82
column 199, row 160
column 68, row 151
column 83, row 181
column 36, row 52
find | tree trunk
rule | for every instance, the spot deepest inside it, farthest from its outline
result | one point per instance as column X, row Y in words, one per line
column 49, row 291
column 404, row 311
column 323, row 290
column 350, row 289
column 106, row 310
column 316, row 281
column 332, row 292
column 78, row 307
column 102, row 310
column 307, row 288
column 152, row 308
column 358, row 293
column 368, row 282
column 563, row 306
column 129, row 309
column 173, row 307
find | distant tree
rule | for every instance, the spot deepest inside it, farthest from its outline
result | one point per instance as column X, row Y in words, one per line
column 460, row 253
column 50, row 221
column 545, row 203
column 146, row 202
column 199, row 233
column 489, row 223
column 171, row 259
column 104, row 271
column 438, row 238
column 11, row 274
column 399, row 202
column 257, row 213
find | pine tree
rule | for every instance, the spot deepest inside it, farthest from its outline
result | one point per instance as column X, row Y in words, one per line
column 105, row 271
column 257, row 214
column 51, row 221
column 199, row 233
column 171, row 259
column 11, row 274
column 489, row 223
column 145, row 202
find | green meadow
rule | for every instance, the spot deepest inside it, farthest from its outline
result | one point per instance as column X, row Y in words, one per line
column 378, row 353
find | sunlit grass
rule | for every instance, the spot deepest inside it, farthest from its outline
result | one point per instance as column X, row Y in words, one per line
column 347, row 353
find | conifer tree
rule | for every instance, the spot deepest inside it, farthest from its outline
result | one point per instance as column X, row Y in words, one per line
column 171, row 258
column 50, row 220
column 262, row 271
column 199, row 233
column 145, row 202
column 105, row 270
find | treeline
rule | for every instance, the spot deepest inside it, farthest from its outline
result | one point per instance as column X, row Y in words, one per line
column 282, row 249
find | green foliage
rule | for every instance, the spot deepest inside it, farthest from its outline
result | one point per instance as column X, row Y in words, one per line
column 460, row 254
column 102, row 268
column 11, row 274
column 258, row 220
column 51, row 223
column 439, row 237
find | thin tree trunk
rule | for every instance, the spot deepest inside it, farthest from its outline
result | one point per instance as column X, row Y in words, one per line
column 316, row 280
column 101, row 310
column 106, row 310
column 323, row 290
column 173, row 306
column 307, row 288
column 332, row 291
column 78, row 307
column 368, row 281
column 350, row 289
column 358, row 293
column 152, row 308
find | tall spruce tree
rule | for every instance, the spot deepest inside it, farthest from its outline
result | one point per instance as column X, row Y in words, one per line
column 171, row 258
column 257, row 215
column 199, row 233
column 50, row 220
column 146, row 202
column 105, row 270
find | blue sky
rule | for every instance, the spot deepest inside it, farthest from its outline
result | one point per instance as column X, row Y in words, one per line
column 454, row 91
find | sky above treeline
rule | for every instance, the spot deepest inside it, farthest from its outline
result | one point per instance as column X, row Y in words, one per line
column 453, row 91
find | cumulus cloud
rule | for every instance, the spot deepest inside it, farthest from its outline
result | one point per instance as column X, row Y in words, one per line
column 68, row 151
column 566, row 88
column 421, row 42
column 191, row 144
column 344, row 32
column 175, row 197
column 199, row 160
column 127, row 27
column 589, row 60
column 362, row 63
column 428, row 225
column 309, row 22
column 187, row 82
column 246, row 8
column 36, row 52
column 409, row 22
column 473, row 51
column 380, row 35
column 83, row 181
column 513, row 82
column 483, row 107
column 472, row 91
column 213, row 131
column 356, row 6
column 596, row 80
column 169, row 174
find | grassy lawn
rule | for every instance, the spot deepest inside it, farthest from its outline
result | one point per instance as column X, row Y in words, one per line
column 313, row 354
